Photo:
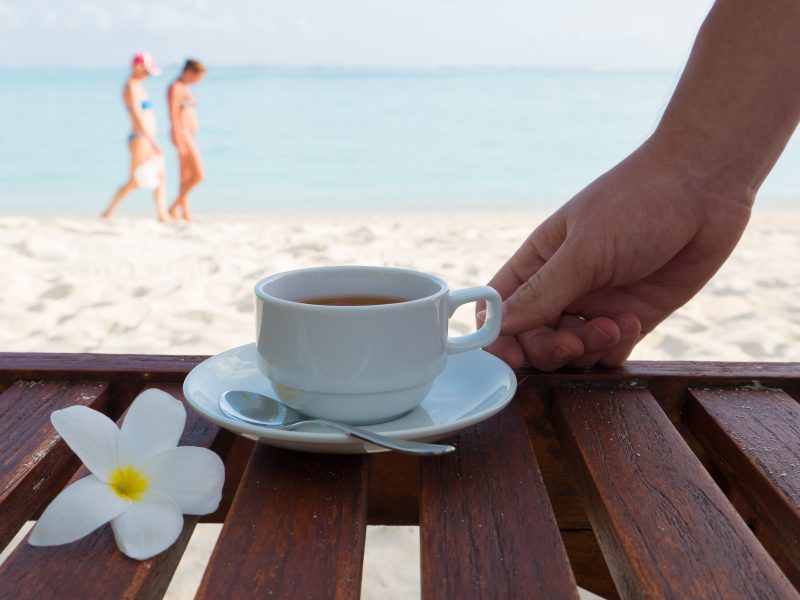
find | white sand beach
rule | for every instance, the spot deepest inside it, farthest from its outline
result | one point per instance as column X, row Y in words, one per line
column 134, row 286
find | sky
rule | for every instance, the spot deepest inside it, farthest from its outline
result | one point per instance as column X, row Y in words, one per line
column 608, row 35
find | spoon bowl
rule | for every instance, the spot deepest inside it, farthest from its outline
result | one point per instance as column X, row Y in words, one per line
column 264, row 411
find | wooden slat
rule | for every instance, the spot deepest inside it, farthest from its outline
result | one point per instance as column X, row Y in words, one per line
column 754, row 437
column 296, row 529
column 776, row 548
column 533, row 399
column 127, row 373
column 161, row 366
column 668, row 381
column 486, row 524
column 665, row 528
column 680, row 370
column 44, row 364
column 34, row 462
column 93, row 567
column 237, row 451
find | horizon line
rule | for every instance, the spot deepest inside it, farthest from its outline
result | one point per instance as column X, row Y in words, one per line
column 368, row 67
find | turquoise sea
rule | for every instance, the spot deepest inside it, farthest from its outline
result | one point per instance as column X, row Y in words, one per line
column 275, row 138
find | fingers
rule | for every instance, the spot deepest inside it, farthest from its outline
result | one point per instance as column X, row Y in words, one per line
column 508, row 349
column 599, row 336
column 548, row 350
column 630, row 328
column 576, row 343
column 541, row 300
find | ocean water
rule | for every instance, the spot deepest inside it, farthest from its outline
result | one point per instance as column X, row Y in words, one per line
column 340, row 138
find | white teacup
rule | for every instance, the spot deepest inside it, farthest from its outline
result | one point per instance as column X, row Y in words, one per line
column 363, row 363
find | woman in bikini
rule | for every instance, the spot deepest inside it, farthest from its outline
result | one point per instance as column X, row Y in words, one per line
column 183, row 114
column 147, row 158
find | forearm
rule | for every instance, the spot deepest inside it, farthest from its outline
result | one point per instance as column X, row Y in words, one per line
column 738, row 100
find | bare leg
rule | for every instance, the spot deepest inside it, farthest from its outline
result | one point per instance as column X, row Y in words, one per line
column 185, row 174
column 191, row 175
column 182, row 201
column 123, row 191
column 138, row 149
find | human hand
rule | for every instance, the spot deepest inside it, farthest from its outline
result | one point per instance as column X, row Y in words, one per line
column 607, row 267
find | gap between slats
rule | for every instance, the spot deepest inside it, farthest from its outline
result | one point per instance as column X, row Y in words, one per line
column 664, row 526
column 487, row 527
column 753, row 436
column 291, row 510
column 34, row 463
column 92, row 566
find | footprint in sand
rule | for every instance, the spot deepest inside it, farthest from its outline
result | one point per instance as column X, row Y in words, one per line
column 245, row 306
column 362, row 235
column 773, row 283
column 673, row 346
column 200, row 315
column 57, row 292
column 42, row 249
column 257, row 274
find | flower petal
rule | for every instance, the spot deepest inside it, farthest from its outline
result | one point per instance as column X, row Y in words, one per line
column 148, row 527
column 154, row 423
column 190, row 476
column 91, row 435
column 77, row 511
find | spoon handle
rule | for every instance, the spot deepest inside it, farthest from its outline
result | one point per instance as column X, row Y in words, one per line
column 404, row 446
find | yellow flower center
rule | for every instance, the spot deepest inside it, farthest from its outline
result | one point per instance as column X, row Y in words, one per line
column 128, row 483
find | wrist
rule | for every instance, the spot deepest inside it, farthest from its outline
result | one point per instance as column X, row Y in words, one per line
column 719, row 169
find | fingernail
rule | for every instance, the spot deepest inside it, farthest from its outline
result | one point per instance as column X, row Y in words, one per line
column 481, row 316
column 560, row 355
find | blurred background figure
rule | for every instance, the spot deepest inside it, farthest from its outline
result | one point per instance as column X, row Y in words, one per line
column 147, row 158
column 183, row 114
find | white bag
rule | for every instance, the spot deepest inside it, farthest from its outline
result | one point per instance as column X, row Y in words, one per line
column 148, row 174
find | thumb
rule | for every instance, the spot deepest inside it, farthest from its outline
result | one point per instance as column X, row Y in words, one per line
column 541, row 300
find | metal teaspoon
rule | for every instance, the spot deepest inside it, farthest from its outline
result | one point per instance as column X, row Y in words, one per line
column 264, row 411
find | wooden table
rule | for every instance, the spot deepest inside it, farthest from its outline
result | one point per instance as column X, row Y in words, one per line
column 658, row 480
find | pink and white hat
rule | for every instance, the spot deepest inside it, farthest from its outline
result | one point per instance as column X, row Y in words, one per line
column 148, row 62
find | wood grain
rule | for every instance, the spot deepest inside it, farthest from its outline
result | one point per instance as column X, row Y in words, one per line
column 93, row 567
column 34, row 462
column 46, row 365
column 296, row 529
column 776, row 548
column 665, row 528
column 533, row 398
column 729, row 372
column 487, row 528
column 160, row 367
column 754, row 437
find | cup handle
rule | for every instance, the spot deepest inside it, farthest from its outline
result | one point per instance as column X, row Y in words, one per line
column 491, row 327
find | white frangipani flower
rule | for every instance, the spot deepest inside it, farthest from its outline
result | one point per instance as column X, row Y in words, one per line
column 141, row 480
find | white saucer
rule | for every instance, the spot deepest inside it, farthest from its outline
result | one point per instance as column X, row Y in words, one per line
column 474, row 386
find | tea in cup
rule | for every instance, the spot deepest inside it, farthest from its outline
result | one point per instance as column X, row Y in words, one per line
column 361, row 344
